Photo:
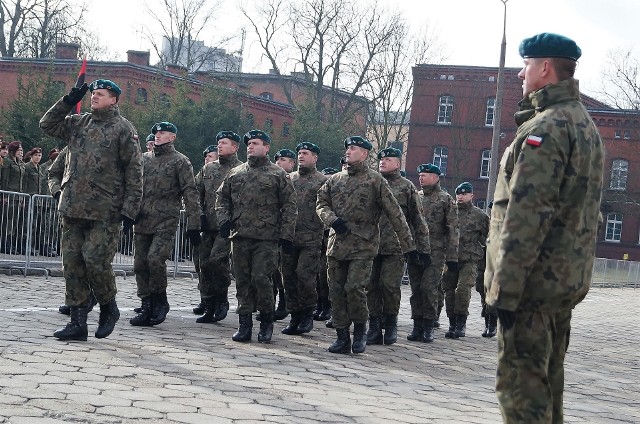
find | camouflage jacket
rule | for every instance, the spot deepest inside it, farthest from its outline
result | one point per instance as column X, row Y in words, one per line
column 309, row 228
column 258, row 198
column 102, row 176
column 441, row 214
column 407, row 196
column 545, row 214
column 31, row 182
column 360, row 196
column 44, row 179
column 168, row 179
column 474, row 228
column 211, row 177
column 12, row 175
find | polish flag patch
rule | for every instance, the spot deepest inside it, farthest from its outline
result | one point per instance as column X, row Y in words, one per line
column 534, row 140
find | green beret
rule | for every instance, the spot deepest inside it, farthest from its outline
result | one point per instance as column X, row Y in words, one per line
column 164, row 126
column 389, row 152
column 285, row 153
column 329, row 171
column 464, row 188
column 257, row 134
column 106, row 84
column 209, row 149
column 151, row 137
column 356, row 140
column 550, row 45
column 228, row 134
column 429, row 169
column 308, row 146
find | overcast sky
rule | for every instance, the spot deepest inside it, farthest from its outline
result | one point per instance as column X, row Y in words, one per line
column 470, row 30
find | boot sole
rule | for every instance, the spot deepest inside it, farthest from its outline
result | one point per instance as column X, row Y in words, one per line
column 70, row 339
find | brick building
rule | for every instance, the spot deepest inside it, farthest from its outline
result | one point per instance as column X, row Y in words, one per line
column 452, row 116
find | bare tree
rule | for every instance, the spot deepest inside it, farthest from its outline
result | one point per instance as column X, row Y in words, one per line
column 620, row 80
column 14, row 15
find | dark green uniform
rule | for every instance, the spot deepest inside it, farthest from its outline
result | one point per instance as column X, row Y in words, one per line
column 15, row 207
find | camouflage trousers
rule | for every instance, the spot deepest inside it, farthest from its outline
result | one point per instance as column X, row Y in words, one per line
column 457, row 287
column 530, row 374
column 322, row 285
column 348, row 281
column 299, row 272
column 254, row 262
column 424, row 287
column 88, row 248
column 383, row 293
column 150, row 261
column 215, row 271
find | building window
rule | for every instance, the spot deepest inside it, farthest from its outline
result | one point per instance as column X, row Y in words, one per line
column 619, row 172
column 250, row 120
column 443, row 77
column 485, row 164
column 492, row 78
column 268, row 125
column 267, row 95
column 445, row 109
column 491, row 107
column 614, row 227
column 440, row 155
column 450, row 77
column 627, row 134
column 617, row 134
column 141, row 96
column 285, row 129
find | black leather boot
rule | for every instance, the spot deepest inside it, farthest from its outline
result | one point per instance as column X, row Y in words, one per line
column 266, row 327
column 199, row 310
column 451, row 333
column 374, row 335
column 461, row 325
column 109, row 315
column 329, row 323
column 390, row 329
column 486, row 325
column 292, row 328
column 142, row 319
column 493, row 325
column 210, row 306
column 342, row 343
column 281, row 310
column 359, row 338
column 160, row 308
column 223, row 307
column 326, row 310
column 76, row 329
column 306, row 321
column 416, row 333
column 427, row 330
column 436, row 323
column 244, row 329
column 318, row 310
column 65, row 310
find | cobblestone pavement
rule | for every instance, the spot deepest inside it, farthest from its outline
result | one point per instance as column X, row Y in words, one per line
column 183, row 372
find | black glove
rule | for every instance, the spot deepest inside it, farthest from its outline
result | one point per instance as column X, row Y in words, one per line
column 426, row 259
column 325, row 233
column 507, row 318
column 412, row 256
column 194, row 237
column 56, row 195
column 452, row 266
column 75, row 95
column 286, row 245
column 225, row 229
column 204, row 224
column 127, row 223
column 340, row 226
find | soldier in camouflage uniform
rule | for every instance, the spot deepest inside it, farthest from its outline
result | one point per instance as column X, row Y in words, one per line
column 98, row 190
column 542, row 237
column 300, row 268
column 383, row 294
column 473, row 224
column 441, row 216
column 351, row 203
column 168, row 181
column 215, row 273
column 15, row 214
column 256, row 208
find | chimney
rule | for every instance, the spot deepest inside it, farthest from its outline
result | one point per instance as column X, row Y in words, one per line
column 67, row 51
column 177, row 69
column 138, row 57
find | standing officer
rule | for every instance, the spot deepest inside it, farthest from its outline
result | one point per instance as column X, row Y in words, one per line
column 151, row 139
column 99, row 188
column 474, row 228
column 256, row 208
column 13, row 180
column 351, row 203
column 300, row 267
column 383, row 294
column 168, row 180
column 210, row 154
column 544, row 223
column 441, row 216
column 286, row 159
column 215, row 273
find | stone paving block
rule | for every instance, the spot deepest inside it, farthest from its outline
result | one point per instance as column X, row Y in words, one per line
column 199, row 418
column 128, row 412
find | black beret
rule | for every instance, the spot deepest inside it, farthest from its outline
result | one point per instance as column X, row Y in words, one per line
column 356, row 140
column 429, row 168
column 106, row 84
column 285, row 153
column 209, row 149
column 228, row 134
column 389, row 152
column 308, row 146
column 250, row 135
column 151, row 137
column 550, row 45
column 329, row 171
column 164, row 126
column 465, row 187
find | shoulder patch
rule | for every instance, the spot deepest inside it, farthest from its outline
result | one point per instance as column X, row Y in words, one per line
column 534, row 140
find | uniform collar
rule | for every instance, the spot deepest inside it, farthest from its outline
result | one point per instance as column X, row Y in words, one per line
column 229, row 159
column 163, row 149
column 548, row 95
column 105, row 114
column 255, row 162
column 304, row 170
column 356, row 168
column 431, row 189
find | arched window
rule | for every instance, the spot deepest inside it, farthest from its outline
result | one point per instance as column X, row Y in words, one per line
column 440, row 156
column 619, row 173
column 485, row 164
column 285, row 129
column 614, row 227
column 491, row 107
column 445, row 109
column 268, row 125
column 141, row 96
